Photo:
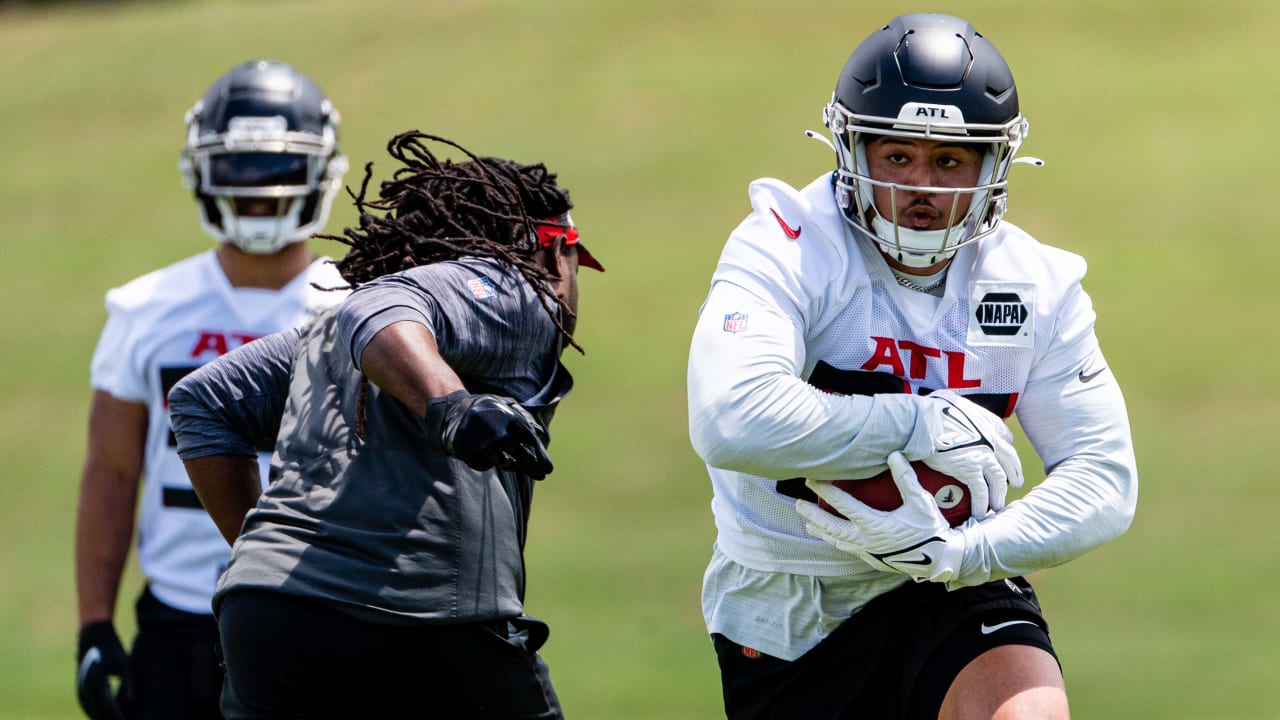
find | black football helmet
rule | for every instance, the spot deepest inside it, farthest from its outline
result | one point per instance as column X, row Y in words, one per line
column 262, row 156
column 927, row 76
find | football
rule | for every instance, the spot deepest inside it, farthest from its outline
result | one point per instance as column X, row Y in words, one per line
column 881, row 493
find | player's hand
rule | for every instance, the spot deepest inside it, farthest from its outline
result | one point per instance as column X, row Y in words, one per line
column 973, row 446
column 913, row 539
column 488, row 431
column 101, row 657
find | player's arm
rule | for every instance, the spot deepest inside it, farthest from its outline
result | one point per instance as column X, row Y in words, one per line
column 1089, row 495
column 1074, row 414
column 1087, row 498
column 750, row 408
column 228, row 487
column 104, row 531
column 108, row 501
column 113, row 467
column 750, row 411
column 221, row 413
column 404, row 360
column 388, row 327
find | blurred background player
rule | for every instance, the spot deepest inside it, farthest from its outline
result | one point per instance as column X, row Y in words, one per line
column 412, row 422
column 885, row 314
column 262, row 158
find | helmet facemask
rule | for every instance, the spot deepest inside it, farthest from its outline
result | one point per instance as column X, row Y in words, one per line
column 986, row 198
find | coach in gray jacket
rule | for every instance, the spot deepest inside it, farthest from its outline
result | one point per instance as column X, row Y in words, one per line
column 381, row 571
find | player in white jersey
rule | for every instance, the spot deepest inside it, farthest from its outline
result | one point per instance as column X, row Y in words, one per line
column 262, row 158
column 880, row 316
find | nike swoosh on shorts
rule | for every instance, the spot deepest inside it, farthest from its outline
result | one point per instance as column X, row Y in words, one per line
column 988, row 629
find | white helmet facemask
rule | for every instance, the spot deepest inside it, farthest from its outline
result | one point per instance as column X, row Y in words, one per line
column 260, row 159
column 855, row 188
column 260, row 234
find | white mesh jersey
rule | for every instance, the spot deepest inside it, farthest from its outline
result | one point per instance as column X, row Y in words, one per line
column 160, row 327
column 809, row 360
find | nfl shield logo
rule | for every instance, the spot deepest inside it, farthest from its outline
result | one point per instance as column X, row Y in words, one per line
column 735, row 322
column 481, row 288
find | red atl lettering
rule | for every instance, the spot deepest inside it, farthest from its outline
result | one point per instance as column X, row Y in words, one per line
column 220, row 343
column 888, row 354
column 919, row 355
column 955, row 371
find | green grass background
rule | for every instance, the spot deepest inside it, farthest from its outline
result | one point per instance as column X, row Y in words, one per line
column 1156, row 117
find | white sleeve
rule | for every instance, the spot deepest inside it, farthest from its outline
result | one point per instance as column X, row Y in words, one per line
column 115, row 368
column 750, row 411
column 1077, row 422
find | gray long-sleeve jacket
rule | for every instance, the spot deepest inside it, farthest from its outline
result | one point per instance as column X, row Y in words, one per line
column 387, row 527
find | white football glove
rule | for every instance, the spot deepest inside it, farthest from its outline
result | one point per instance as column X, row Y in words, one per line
column 914, row 539
column 974, row 446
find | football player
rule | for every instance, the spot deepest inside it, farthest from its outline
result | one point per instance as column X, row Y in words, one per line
column 885, row 314
column 262, row 158
column 381, row 574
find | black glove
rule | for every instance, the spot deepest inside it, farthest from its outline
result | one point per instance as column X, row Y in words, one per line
column 487, row 431
column 100, row 657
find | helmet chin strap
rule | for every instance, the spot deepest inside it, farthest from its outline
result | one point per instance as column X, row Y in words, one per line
column 914, row 248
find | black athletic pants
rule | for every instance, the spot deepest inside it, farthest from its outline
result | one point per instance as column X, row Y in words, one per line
column 290, row 657
column 175, row 669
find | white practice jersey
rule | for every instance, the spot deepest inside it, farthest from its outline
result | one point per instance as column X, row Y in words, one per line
column 160, row 327
column 809, row 360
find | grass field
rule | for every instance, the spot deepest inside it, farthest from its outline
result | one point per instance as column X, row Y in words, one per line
column 1157, row 121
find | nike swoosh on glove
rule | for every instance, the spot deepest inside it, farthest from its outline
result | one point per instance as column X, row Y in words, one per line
column 913, row 539
column 101, row 657
column 488, row 431
column 974, row 446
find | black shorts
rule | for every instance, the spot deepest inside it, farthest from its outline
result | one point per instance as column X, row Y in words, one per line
column 291, row 657
column 175, row 669
column 895, row 658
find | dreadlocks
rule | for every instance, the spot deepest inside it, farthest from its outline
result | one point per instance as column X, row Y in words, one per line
column 434, row 210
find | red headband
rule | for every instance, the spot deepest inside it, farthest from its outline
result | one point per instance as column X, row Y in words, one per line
column 554, row 228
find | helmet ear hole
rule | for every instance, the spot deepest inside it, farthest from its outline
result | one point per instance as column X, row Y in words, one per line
column 309, row 207
column 210, row 209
